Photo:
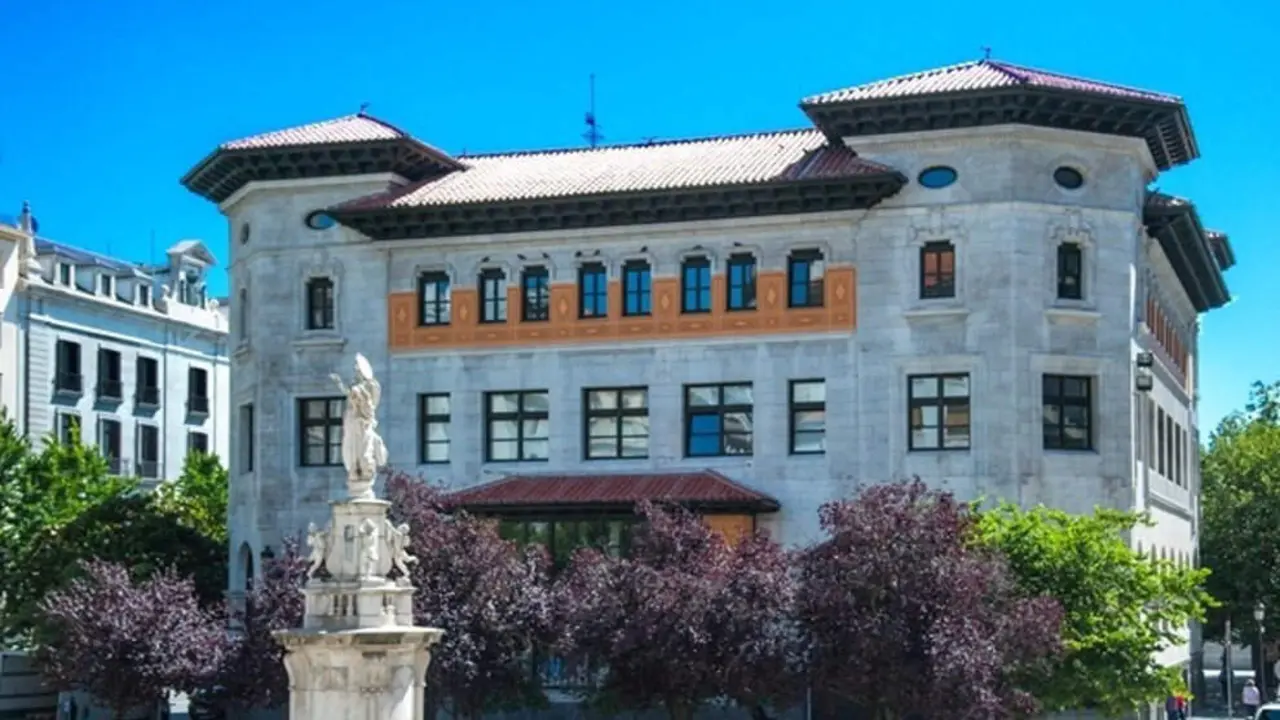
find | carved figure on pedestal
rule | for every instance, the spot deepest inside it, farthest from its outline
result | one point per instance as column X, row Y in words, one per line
column 369, row 548
column 363, row 451
column 318, row 542
column 397, row 544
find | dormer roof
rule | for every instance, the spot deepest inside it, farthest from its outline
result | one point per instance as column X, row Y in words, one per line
column 194, row 249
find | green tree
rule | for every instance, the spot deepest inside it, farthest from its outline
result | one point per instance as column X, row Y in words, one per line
column 198, row 498
column 1121, row 607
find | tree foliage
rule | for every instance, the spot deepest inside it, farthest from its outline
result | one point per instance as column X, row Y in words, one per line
column 126, row 643
column 491, row 601
column 1120, row 608
column 198, row 497
column 685, row 619
column 904, row 615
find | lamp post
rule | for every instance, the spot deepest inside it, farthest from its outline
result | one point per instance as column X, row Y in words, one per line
column 1259, row 614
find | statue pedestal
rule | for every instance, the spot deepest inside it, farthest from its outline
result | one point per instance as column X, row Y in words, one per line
column 358, row 655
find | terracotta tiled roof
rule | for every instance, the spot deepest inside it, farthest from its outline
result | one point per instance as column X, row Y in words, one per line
column 979, row 75
column 699, row 488
column 347, row 129
column 711, row 162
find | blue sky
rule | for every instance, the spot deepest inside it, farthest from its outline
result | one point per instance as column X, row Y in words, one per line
column 107, row 104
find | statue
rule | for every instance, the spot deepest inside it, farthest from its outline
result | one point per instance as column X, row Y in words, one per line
column 28, row 263
column 397, row 542
column 369, row 548
column 363, row 451
column 318, row 541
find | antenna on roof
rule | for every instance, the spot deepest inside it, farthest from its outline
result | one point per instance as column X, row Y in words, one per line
column 592, row 135
column 363, row 107
column 986, row 52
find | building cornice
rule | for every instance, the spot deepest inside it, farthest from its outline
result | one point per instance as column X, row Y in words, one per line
column 58, row 292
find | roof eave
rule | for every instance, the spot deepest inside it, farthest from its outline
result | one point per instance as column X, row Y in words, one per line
column 1186, row 245
column 544, row 508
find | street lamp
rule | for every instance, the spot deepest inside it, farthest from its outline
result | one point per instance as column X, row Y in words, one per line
column 1259, row 613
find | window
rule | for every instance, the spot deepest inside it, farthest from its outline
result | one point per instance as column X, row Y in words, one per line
column 938, row 176
column 148, row 390
column 109, row 441
column 536, row 294
column 808, row 417
column 1070, row 272
column 148, row 451
column 939, row 410
column 1068, row 178
column 244, row 234
column 433, row 414
column 696, row 285
column 242, row 317
column 718, row 419
column 110, row 385
column 320, row 431
column 319, row 220
column 742, row 282
column 246, row 438
column 107, row 285
column 561, row 537
column 1168, row 445
column 68, row 428
column 1177, row 456
column 320, row 314
column 198, row 391
column 938, row 270
column 1160, row 441
column 197, row 442
column 593, row 291
column 1067, row 410
column 67, row 376
column 516, row 425
column 493, row 296
column 64, row 274
column 637, row 289
column 617, row 423
column 433, row 299
column 804, row 279
column 144, row 295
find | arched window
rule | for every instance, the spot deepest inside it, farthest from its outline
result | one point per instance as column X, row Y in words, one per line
column 246, row 563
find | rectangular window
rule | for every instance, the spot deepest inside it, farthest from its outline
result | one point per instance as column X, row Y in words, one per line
column 535, row 294
column 637, row 289
column 110, row 385
column 695, row 286
column 149, row 451
column 718, row 419
column 198, row 391
column 144, row 295
column 109, row 442
column 1070, row 271
column 433, row 298
column 805, row 272
column 68, row 428
column 617, row 423
column 320, row 431
column 742, row 282
column 593, row 291
column 433, row 418
column 939, row 411
column 517, row 425
column 148, row 386
column 197, row 442
column 493, row 296
column 320, row 315
column 64, row 274
column 561, row 537
column 108, row 285
column 1168, row 446
column 808, row 403
column 937, row 270
column 247, row 438
column 1068, row 422
column 1160, row 441
column 1177, row 456
column 67, row 377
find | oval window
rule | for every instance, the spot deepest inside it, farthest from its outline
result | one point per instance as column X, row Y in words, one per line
column 320, row 220
column 936, row 177
column 1068, row 177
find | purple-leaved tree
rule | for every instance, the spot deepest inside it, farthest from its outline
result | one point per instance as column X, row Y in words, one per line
column 129, row 643
column 905, row 617
column 686, row 618
column 490, row 599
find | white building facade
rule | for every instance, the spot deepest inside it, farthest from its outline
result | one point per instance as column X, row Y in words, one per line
column 753, row 325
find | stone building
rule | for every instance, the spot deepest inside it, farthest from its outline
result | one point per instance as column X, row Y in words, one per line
column 960, row 274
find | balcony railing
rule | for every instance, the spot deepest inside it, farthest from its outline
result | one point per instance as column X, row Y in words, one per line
column 109, row 389
column 148, row 468
column 148, row 396
column 198, row 404
column 69, row 382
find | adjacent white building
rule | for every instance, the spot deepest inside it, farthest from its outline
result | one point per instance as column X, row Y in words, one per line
column 961, row 274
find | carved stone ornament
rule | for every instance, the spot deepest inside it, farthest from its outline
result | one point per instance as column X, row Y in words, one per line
column 363, row 451
column 319, row 542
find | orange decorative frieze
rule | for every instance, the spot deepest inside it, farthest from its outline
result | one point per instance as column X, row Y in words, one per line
column 666, row 321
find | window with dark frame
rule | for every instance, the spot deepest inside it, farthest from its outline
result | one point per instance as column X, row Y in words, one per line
column 1168, row 445
column 593, row 291
column 1068, row 412
column 320, row 431
column 637, row 289
column 148, row 451
column 320, row 304
column 939, row 412
column 718, row 419
column 433, row 298
column 1160, row 441
column 110, row 383
column 147, row 392
column 808, row 412
column 68, row 428
column 535, row 294
column 433, row 421
column 517, row 425
column 695, row 282
column 67, row 376
column 616, row 423
column 937, row 270
column 247, row 438
column 198, row 391
column 561, row 536
column 493, row 296
column 64, row 274
column 197, row 442
column 110, row 439
column 1070, row 271
column 805, row 279
column 741, row 270
column 1177, row 455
